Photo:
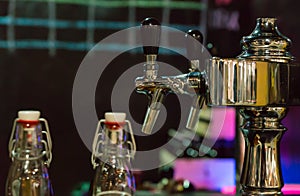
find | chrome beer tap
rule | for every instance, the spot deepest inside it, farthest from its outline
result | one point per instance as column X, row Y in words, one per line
column 259, row 83
column 157, row 87
column 200, row 97
column 150, row 84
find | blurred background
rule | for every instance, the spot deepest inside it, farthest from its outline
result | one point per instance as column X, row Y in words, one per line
column 42, row 43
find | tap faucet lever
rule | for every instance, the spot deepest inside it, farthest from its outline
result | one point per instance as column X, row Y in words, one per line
column 150, row 34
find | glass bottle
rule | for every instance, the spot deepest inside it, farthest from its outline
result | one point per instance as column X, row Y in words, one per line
column 113, row 148
column 30, row 152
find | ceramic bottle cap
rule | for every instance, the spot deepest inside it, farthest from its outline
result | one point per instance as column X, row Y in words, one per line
column 30, row 115
column 115, row 116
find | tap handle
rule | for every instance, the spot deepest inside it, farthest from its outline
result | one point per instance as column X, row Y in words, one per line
column 192, row 47
column 150, row 34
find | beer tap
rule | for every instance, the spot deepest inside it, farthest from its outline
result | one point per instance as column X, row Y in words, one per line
column 150, row 84
column 157, row 87
column 258, row 83
column 193, row 51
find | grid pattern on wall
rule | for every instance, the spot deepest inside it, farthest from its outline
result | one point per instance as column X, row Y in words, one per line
column 52, row 18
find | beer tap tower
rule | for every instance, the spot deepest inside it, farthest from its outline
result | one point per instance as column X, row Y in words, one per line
column 257, row 83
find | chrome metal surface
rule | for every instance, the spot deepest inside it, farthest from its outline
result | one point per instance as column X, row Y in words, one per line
column 261, row 87
column 193, row 118
column 261, row 83
column 157, row 87
column 266, row 43
column 262, row 130
column 193, row 83
column 243, row 82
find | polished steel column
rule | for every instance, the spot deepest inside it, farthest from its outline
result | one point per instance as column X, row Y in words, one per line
column 262, row 130
column 257, row 83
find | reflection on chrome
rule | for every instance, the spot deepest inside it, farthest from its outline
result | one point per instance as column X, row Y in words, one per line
column 243, row 82
column 260, row 83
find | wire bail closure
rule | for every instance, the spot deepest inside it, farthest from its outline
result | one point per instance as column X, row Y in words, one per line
column 47, row 143
column 98, row 141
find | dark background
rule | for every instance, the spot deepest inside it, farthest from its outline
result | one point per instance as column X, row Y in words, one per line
column 32, row 79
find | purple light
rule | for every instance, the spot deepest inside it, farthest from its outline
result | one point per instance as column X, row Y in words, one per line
column 205, row 173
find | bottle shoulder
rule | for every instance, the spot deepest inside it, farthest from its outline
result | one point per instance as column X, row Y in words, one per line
column 32, row 167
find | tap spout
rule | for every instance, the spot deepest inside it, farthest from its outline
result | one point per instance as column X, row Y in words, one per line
column 156, row 90
column 153, row 110
column 193, row 84
column 193, row 118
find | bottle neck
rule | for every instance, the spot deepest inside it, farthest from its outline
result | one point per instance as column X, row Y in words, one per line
column 115, row 140
column 28, row 140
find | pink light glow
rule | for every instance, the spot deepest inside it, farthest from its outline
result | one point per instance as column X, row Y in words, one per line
column 291, row 189
column 223, row 118
column 205, row 173
column 288, row 189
